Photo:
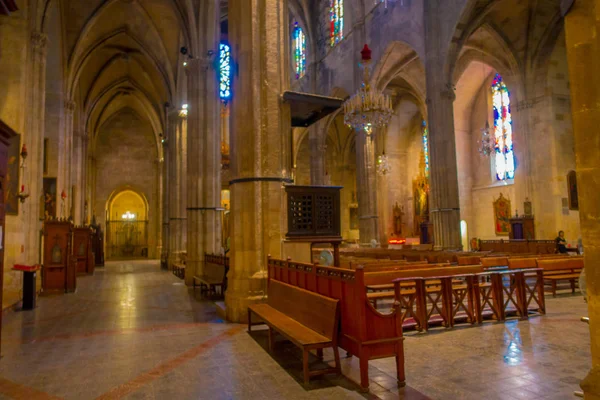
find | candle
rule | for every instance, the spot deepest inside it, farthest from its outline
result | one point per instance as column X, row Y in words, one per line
column 22, row 188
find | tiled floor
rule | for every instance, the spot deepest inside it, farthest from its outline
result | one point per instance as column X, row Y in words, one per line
column 133, row 331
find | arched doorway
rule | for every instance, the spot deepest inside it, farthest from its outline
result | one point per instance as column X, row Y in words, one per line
column 127, row 226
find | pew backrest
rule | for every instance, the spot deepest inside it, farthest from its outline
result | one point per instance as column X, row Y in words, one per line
column 560, row 264
column 312, row 310
column 385, row 277
column 522, row 263
column 489, row 262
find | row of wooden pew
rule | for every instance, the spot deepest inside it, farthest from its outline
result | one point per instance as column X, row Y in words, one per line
column 422, row 295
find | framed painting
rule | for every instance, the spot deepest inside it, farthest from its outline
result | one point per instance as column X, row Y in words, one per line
column 11, row 200
column 572, row 187
column 502, row 216
column 48, row 199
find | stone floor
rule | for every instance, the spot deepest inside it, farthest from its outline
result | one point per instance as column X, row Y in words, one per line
column 132, row 331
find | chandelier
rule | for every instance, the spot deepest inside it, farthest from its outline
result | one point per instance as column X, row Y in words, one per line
column 383, row 164
column 486, row 144
column 368, row 107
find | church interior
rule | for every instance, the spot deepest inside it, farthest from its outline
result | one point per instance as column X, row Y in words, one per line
column 297, row 199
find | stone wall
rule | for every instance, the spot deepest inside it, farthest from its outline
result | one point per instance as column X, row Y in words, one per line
column 126, row 158
column 14, row 46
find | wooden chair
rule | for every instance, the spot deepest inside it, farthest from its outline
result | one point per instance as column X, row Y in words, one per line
column 307, row 319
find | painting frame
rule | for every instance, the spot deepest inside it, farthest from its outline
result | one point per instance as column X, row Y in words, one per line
column 13, row 175
column 573, row 191
column 48, row 203
column 502, row 215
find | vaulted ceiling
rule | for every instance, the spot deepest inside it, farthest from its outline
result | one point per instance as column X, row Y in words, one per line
column 123, row 54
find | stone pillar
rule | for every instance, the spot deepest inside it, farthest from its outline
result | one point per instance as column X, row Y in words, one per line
column 157, row 251
column 260, row 146
column 204, row 153
column 582, row 25
column 34, row 140
column 366, row 187
column 65, row 164
column 177, row 187
column 166, row 194
column 317, row 139
column 83, row 164
column 444, row 205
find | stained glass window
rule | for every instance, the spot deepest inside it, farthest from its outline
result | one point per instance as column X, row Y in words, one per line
column 299, row 51
column 336, row 19
column 426, row 146
column 225, row 71
column 504, row 156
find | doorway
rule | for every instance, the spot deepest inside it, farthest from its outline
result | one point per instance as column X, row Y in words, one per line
column 127, row 226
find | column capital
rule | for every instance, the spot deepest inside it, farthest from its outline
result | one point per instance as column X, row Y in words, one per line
column 39, row 41
column 449, row 91
column 70, row 106
column 198, row 64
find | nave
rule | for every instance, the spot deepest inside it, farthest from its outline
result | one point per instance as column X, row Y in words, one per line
column 134, row 331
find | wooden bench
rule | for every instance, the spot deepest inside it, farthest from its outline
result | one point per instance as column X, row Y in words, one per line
column 213, row 280
column 364, row 332
column 179, row 270
column 307, row 319
column 563, row 269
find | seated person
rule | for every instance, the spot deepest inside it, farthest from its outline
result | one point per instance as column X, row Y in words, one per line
column 561, row 243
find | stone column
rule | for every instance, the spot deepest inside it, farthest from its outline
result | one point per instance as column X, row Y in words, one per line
column 260, row 146
column 444, row 205
column 366, row 187
column 582, row 25
column 317, row 139
column 34, row 140
column 177, row 192
column 65, row 165
column 83, row 164
column 203, row 159
column 157, row 251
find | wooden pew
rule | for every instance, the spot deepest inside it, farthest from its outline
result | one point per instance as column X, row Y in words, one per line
column 214, row 275
column 364, row 331
column 561, row 269
column 470, row 289
column 307, row 319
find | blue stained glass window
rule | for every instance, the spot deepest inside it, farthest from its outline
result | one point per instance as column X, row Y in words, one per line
column 426, row 146
column 299, row 51
column 336, row 20
column 225, row 71
column 503, row 134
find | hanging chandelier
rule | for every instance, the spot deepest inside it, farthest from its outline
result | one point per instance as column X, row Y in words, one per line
column 486, row 144
column 383, row 164
column 368, row 107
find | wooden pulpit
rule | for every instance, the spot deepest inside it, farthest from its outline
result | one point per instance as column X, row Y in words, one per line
column 82, row 250
column 60, row 267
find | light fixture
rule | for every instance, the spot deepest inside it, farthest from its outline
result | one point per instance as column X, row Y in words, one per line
column 486, row 145
column 128, row 216
column 383, row 164
column 185, row 63
column 184, row 110
column 368, row 107
column 24, row 193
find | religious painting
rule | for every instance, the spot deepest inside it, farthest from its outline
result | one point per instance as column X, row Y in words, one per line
column 48, row 199
column 572, row 187
column 398, row 214
column 420, row 201
column 11, row 201
column 502, row 216
column 353, row 218
column 225, row 230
